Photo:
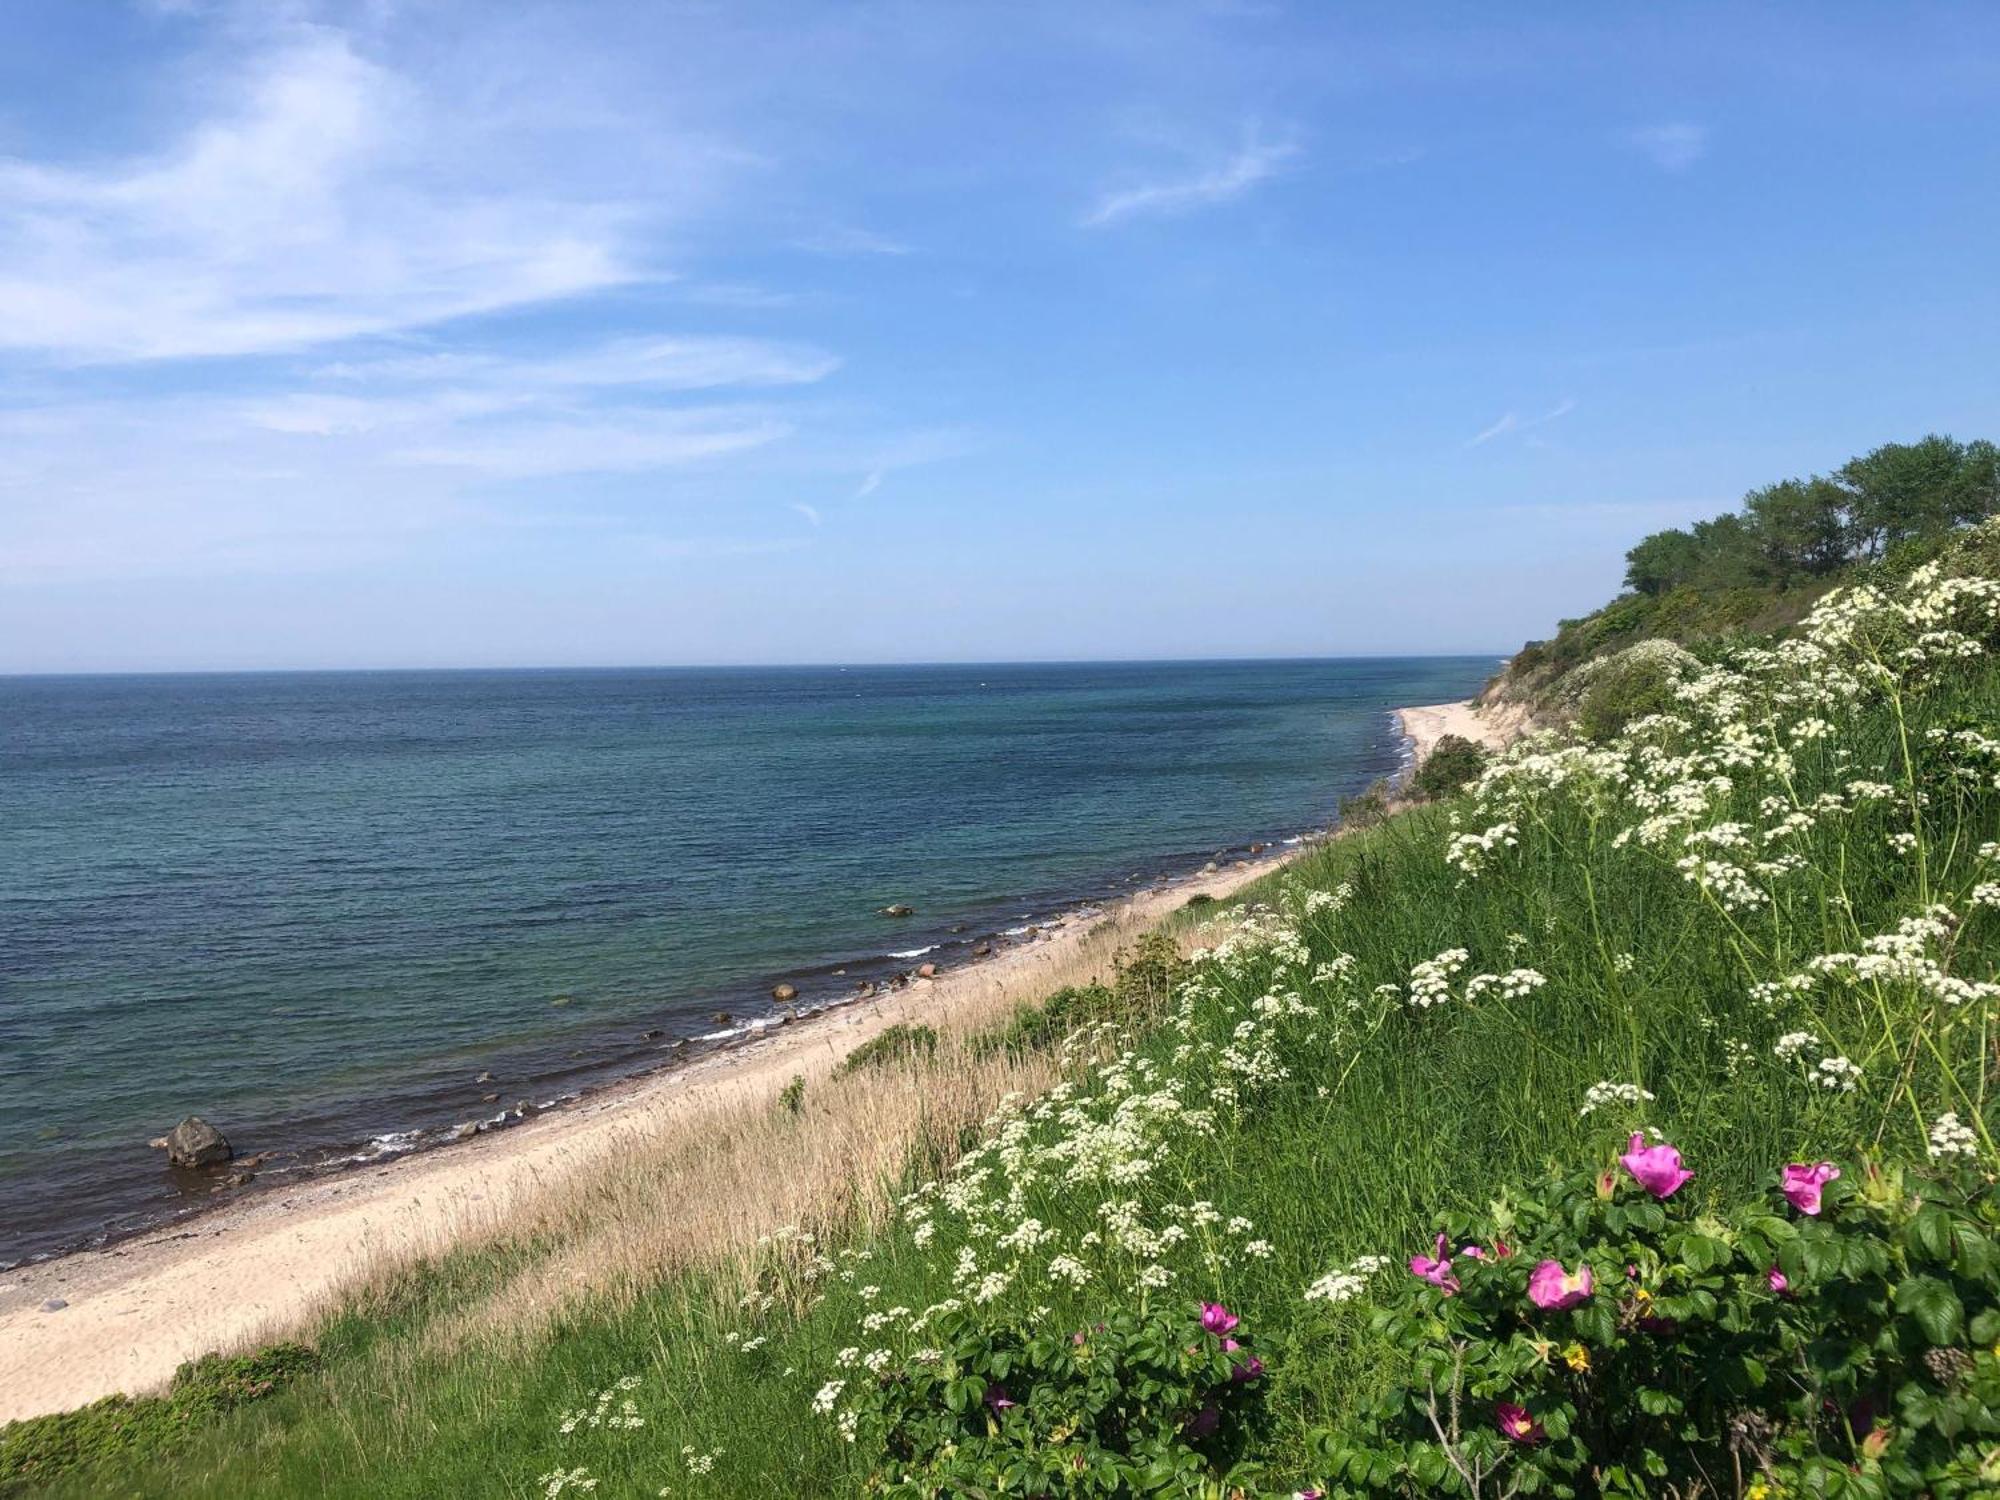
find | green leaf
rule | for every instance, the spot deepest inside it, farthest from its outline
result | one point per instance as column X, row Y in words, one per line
column 1933, row 1306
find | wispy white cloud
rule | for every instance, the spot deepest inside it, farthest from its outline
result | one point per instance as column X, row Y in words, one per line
column 847, row 240
column 1673, row 147
column 1204, row 183
column 316, row 203
column 668, row 363
column 810, row 512
column 1513, row 422
column 869, row 484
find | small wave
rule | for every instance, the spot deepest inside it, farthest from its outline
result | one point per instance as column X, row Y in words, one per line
column 912, row 952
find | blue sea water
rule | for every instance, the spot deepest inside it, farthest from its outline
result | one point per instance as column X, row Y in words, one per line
column 315, row 907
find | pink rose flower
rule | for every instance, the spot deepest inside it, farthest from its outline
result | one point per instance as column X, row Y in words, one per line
column 1657, row 1169
column 1435, row 1268
column 1218, row 1319
column 1551, row 1288
column 1779, row 1282
column 1804, row 1184
column 1517, row 1424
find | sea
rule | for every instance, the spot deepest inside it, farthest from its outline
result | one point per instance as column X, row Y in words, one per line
column 332, row 913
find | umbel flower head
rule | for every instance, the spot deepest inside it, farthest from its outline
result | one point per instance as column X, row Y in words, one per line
column 1657, row 1169
column 1804, row 1184
column 1552, row 1289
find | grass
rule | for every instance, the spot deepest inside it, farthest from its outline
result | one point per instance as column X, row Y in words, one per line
column 1285, row 1078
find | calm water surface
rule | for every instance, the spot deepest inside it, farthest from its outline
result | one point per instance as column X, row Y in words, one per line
column 315, row 907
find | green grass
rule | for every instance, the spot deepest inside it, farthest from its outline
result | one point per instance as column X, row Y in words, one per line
column 1386, row 1116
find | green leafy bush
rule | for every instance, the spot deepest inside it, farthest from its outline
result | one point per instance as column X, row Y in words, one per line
column 1611, row 1337
column 1160, row 1403
column 1369, row 806
column 1453, row 763
column 121, row 1427
column 894, row 1046
column 1042, row 1025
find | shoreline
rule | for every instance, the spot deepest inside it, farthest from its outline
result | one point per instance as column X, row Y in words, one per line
column 1425, row 724
column 256, row 1267
column 864, row 981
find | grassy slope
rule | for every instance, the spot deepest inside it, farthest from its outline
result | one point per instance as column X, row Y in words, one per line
column 1387, row 1115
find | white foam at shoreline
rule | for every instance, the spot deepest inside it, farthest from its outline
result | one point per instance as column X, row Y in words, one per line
column 912, row 952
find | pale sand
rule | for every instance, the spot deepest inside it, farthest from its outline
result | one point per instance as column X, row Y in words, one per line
column 260, row 1268
column 1493, row 727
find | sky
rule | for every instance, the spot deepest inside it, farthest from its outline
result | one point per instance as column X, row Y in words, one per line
column 406, row 334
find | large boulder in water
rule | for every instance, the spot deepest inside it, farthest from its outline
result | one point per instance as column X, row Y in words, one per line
column 196, row 1143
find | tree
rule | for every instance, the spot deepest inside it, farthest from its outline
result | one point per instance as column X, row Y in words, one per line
column 1801, row 527
column 1665, row 560
column 1902, row 490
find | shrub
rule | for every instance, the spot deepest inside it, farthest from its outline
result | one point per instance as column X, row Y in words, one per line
column 1147, row 972
column 1607, row 1337
column 1368, row 807
column 894, row 1046
column 1068, row 1010
column 1156, row 1403
column 1615, row 690
column 121, row 1427
column 1453, row 763
column 792, row 1097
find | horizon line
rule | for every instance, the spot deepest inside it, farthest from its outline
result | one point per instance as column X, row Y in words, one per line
column 745, row 666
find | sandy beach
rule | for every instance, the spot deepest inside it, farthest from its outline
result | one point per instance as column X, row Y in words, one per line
column 258, row 1269
column 1470, row 720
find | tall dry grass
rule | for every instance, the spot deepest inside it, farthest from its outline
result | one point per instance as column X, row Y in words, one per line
column 692, row 1181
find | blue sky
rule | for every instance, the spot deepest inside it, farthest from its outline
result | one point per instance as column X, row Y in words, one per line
column 411, row 334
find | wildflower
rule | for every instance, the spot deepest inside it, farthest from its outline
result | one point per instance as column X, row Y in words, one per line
column 1436, row 1269
column 1803, row 1184
column 1246, row 1371
column 1217, row 1319
column 1599, row 1095
column 1951, row 1137
column 1576, row 1357
column 1792, row 1043
column 1552, row 1289
column 1836, row 1073
column 1778, row 1281
column 998, row 1399
column 1657, row 1169
column 1515, row 1423
column 828, row 1394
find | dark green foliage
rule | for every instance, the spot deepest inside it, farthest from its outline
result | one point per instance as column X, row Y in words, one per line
column 1760, row 570
column 1630, row 689
column 1136, row 1404
column 1042, row 1025
column 1147, row 972
column 1812, row 528
column 1368, row 807
column 900, row 1045
column 792, row 1097
column 1844, row 1353
column 1453, row 762
column 135, row 1431
column 1201, row 898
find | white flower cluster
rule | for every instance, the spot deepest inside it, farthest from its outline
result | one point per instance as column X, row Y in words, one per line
column 1603, row 1095
column 1950, row 1137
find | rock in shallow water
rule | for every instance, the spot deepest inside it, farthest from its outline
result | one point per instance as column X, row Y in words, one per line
column 196, row 1143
